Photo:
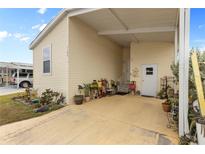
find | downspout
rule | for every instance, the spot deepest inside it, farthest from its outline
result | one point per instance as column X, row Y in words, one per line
column 67, row 66
column 176, row 46
column 176, row 39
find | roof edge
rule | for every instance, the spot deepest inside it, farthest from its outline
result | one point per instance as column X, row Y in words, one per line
column 49, row 27
column 55, row 21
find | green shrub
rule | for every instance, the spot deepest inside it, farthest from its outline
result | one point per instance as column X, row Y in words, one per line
column 50, row 97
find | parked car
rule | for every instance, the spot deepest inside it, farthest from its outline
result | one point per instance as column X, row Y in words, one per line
column 25, row 79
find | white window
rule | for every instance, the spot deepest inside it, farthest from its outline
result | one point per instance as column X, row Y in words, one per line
column 47, row 60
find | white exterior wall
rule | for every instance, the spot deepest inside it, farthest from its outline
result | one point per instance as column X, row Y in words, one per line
column 92, row 57
column 58, row 80
column 160, row 53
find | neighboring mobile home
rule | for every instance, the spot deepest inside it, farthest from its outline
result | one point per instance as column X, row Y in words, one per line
column 8, row 69
column 81, row 45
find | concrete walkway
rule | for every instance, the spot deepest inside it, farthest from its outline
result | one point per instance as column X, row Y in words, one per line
column 110, row 120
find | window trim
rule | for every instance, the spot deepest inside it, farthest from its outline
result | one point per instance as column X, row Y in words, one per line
column 50, row 47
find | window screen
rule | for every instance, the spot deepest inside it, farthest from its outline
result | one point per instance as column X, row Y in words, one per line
column 47, row 60
column 149, row 71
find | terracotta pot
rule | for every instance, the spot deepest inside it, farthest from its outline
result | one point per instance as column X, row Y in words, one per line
column 166, row 107
column 87, row 98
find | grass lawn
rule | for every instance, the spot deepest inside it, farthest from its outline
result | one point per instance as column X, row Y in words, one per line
column 11, row 111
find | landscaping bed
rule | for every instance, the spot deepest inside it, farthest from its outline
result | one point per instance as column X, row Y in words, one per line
column 14, row 108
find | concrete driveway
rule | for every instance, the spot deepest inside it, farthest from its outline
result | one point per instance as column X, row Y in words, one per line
column 10, row 90
column 110, row 120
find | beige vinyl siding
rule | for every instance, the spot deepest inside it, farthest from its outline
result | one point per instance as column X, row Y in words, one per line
column 160, row 53
column 58, row 79
column 91, row 56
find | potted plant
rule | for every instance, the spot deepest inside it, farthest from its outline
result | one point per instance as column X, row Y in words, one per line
column 94, row 89
column 160, row 94
column 78, row 99
column 200, row 127
column 166, row 105
column 87, row 92
column 104, row 87
column 113, row 86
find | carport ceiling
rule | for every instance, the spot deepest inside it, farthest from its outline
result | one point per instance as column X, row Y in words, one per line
column 133, row 24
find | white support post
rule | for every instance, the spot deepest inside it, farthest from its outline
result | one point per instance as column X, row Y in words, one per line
column 2, row 75
column 183, row 70
column 7, row 76
column 17, row 78
column 186, row 69
column 181, row 75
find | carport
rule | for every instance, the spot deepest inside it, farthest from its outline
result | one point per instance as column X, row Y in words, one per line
column 133, row 120
column 125, row 26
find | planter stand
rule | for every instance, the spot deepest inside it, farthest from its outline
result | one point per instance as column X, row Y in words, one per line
column 171, row 123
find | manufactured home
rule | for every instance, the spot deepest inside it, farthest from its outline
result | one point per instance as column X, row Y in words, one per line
column 80, row 45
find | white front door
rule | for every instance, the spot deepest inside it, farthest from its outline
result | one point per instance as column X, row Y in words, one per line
column 149, row 80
